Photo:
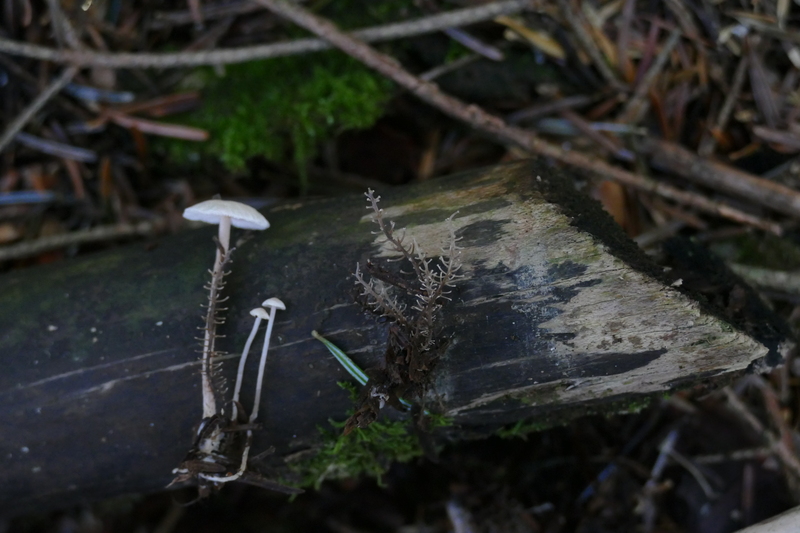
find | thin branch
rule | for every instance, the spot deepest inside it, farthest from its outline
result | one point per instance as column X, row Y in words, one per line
column 589, row 46
column 784, row 454
column 387, row 32
column 721, row 177
column 636, row 107
column 27, row 114
column 97, row 234
column 709, row 143
column 494, row 126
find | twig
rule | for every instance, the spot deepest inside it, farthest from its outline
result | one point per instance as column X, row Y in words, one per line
column 56, row 148
column 538, row 110
column 788, row 139
column 612, row 146
column 493, row 125
column 18, row 123
column 96, row 234
column 623, row 38
column 684, row 17
column 589, row 46
column 62, row 27
column 430, row 24
column 165, row 19
column 710, row 142
column 772, row 404
column 765, row 278
column 747, row 454
column 695, row 473
column 476, row 45
column 721, row 177
column 637, row 106
column 762, row 92
column 786, row 456
column 446, row 68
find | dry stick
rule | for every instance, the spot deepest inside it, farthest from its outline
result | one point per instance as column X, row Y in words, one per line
column 97, row 234
column 18, row 123
column 433, row 23
column 62, row 28
column 588, row 44
column 721, row 177
column 786, row 456
column 765, row 100
column 710, row 141
column 787, row 138
column 494, row 126
column 637, row 106
column 610, row 145
column 165, row 19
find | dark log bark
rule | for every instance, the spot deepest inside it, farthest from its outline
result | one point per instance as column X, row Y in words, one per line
column 559, row 313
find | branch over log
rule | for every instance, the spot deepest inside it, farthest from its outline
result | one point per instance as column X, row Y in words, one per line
column 558, row 313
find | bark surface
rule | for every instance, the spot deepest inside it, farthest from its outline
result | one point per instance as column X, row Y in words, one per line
column 558, row 314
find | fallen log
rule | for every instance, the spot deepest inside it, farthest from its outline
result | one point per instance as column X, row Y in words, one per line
column 559, row 314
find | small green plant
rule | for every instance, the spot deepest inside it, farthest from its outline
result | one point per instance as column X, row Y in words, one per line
column 408, row 293
column 367, row 451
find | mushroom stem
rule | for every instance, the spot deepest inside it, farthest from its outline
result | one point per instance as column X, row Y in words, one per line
column 209, row 336
column 225, row 233
column 209, row 402
column 259, row 315
column 262, row 364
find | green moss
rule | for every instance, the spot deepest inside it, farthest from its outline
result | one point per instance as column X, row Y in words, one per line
column 455, row 51
column 522, row 428
column 283, row 108
column 768, row 251
column 367, row 451
column 352, row 14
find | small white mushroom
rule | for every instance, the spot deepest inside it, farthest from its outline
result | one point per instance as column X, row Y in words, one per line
column 273, row 304
column 260, row 314
column 225, row 213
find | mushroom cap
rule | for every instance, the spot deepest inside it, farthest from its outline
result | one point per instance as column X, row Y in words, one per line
column 274, row 302
column 211, row 211
column 260, row 312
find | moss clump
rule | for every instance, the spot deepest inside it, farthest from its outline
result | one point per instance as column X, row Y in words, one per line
column 283, row 108
column 367, row 451
column 352, row 14
column 767, row 251
column 522, row 428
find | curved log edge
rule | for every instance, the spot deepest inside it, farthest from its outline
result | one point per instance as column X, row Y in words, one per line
column 559, row 313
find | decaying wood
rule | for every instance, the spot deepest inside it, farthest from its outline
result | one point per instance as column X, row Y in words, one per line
column 558, row 313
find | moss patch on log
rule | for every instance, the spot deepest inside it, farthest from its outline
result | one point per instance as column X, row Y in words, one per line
column 364, row 451
column 282, row 109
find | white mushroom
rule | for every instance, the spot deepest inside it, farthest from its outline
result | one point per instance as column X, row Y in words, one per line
column 260, row 314
column 273, row 304
column 225, row 213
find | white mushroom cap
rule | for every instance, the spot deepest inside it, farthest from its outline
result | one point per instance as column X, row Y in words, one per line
column 260, row 312
column 274, row 302
column 241, row 215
